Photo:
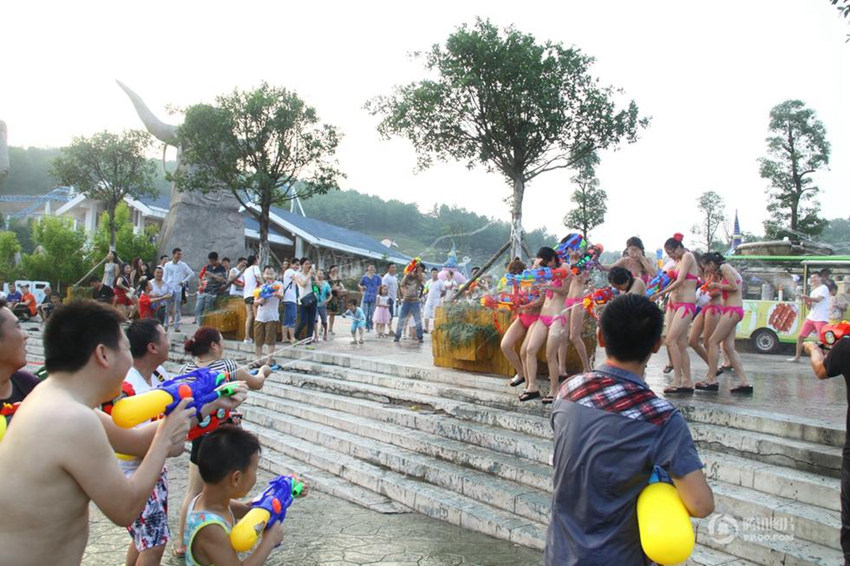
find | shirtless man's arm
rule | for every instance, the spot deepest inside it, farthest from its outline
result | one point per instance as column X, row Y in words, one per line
column 98, row 473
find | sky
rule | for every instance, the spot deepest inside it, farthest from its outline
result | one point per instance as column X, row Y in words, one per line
column 706, row 73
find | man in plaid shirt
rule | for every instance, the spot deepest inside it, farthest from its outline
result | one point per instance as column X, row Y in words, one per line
column 610, row 431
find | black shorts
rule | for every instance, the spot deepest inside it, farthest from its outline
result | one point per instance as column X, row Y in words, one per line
column 249, row 300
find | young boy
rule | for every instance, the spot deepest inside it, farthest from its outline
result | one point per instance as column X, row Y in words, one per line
column 55, row 457
column 358, row 320
column 228, row 465
column 610, row 430
column 267, row 320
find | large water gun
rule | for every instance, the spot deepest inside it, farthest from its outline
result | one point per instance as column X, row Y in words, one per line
column 7, row 410
column 598, row 297
column 414, row 263
column 590, row 258
column 545, row 274
column 832, row 333
column 573, row 243
column 267, row 290
column 659, row 282
column 202, row 384
column 267, row 509
column 666, row 533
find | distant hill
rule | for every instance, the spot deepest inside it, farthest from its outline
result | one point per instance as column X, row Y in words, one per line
column 29, row 172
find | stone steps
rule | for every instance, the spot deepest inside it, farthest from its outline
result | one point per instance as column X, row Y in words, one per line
column 521, row 500
column 499, row 464
column 796, row 454
column 537, row 426
column 785, row 482
column 421, row 417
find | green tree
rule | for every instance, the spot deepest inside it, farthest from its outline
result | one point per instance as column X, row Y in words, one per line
column 837, row 233
column 59, row 257
column 22, row 227
column 796, row 149
column 499, row 98
column 589, row 199
column 29, row 172
column 712, row 211
column 265, row 145
column 107, row 167
column 128, row 244
column 9, row 249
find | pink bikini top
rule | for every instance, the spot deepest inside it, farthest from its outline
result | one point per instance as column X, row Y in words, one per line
column 725, row 294
column 556, row 283
column 688, row 276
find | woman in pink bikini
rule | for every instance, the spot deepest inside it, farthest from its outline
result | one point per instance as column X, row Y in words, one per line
column 550, row 317
column 732, row 310
column 573, row 320
column 708, row 313
column 526, row 315
column 682, row 307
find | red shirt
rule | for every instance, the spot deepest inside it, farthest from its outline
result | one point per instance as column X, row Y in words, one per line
column 29, row 299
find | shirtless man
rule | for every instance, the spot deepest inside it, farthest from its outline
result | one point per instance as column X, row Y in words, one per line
column 55, row 457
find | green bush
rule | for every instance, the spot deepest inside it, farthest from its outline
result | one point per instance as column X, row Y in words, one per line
column 59, row 257
column 127, row 243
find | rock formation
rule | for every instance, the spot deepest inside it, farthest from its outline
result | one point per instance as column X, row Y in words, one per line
column 197, row 222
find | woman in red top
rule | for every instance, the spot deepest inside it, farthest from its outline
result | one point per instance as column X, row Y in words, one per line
column 124, row 290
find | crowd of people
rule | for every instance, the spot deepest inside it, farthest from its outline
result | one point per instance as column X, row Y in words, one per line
column 703, row 304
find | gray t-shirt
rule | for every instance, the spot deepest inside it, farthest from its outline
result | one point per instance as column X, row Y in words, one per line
column 610, row 430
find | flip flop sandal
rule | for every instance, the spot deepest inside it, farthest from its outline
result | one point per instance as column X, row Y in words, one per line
column 517, row 380
column 742, row 389
column 726, row 368
column 529, row 395
column 667, row 369
column 676, row 390
column 547, row 400
column 705, row 386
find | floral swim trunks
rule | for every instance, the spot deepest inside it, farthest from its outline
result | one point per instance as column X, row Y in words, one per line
column 151, row 528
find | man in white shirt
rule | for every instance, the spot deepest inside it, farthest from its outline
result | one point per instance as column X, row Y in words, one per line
column 818, row 303
column 176, row 276
column 149, row 346
column 390, row 281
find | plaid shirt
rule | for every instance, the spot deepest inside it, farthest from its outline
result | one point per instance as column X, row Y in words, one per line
column 626, row 398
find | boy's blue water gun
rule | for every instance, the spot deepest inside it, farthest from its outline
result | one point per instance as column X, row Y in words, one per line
column 267, row 509
column 267, row 291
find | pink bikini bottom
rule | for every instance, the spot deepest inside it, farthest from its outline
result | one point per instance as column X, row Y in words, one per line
column 528, row 319
column 690, row 308
column 549, row 320
column 716, row 309
column 735, row 310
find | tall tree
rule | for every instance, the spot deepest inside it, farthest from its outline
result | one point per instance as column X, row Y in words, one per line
column 796, row 149
column 265, row 145
column 590, row 200
column 108, row 167
column 499, row 98
column 712, row 212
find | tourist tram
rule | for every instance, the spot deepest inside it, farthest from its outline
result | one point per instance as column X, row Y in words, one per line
column 772, row 312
